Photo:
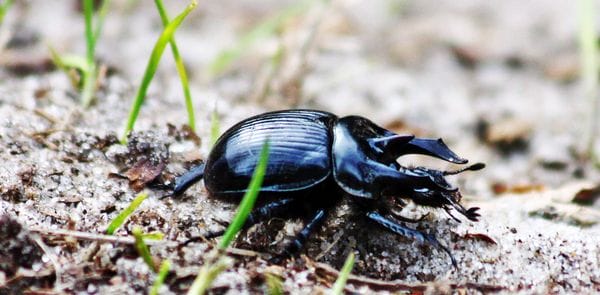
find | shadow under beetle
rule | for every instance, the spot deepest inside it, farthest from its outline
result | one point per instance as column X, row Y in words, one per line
column 317, row 158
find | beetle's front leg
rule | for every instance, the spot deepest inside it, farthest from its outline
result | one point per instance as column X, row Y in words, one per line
column 409, row 232
column 187, row 179
column 392, row 204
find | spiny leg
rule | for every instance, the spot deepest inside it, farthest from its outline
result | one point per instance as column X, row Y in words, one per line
column 409, row 232
column 315, row 222
column 275, row 208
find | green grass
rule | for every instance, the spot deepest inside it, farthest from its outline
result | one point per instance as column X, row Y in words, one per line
column 157, row 236
column 589, row 50
column 263, row 30
column 4, row 7
column 215, row 126
column 85, row 65
column 208, row 273
column 211, row 270
column 340, row 283
column 90, row 74
column 155, row 57
column 122, row 217
column 180, row 67
column 143, row 249
column 165, row 266
column 274, row 284
column 248, row 200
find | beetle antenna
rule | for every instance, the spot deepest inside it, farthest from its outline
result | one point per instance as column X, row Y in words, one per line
column 474, row 167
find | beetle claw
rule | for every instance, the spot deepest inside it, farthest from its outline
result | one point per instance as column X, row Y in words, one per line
column 432, row 240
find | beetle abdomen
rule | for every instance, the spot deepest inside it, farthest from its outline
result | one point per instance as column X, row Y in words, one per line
column 299, row 158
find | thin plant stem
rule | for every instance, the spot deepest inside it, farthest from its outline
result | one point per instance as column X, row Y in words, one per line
column 165, row 266
column 143, row 249
column 248, row 200
column 120, row 219
column 215, row 126
column 340, row 283
column 180, row 68
column 100, row 19
column 4, row 7
column 589, row 50
column 157, row 52
column 89, row 75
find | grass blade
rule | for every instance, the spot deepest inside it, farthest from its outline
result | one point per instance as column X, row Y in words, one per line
column 274, row 284
column 143, row 249
column 89, row 75
column 249, row 198
column 263, row 30
column 589, row 49
column 207, row 275
column 180, row 68
column 157, row 52
column 100, row 19
column 340, row 283
column 215, row 126
column 88, row 12
column 209, row 271
column 120, row 219
column 165, row 266
column 156, row 236
column 4, row 7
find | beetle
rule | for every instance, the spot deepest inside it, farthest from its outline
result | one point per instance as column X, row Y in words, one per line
column 316, row 159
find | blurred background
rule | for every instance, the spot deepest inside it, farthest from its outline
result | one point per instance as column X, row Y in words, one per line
column 509, row 83
column 504, row 73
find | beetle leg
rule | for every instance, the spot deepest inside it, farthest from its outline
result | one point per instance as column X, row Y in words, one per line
column 410, row 233
column 187, row 179
column 257, row 215
column 267, row 211
column 406, row 219
column 303, row 235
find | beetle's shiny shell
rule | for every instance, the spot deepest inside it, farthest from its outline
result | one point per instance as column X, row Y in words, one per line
column 299, row 158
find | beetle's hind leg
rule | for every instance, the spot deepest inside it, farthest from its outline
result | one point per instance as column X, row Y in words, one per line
column 409, row 232
column 187, row 179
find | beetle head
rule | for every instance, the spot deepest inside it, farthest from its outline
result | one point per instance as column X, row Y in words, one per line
column 365, row 165
column 434, row 190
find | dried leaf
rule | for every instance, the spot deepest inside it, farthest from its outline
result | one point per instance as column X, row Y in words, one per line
column 502, row 188
column 143, row 172
column 587, row 196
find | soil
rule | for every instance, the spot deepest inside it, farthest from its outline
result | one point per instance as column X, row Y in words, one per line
column 498, row 81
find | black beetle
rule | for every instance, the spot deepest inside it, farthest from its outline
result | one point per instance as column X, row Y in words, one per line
column 316, row 158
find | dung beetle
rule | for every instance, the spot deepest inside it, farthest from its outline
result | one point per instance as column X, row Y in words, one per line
column 316, row 159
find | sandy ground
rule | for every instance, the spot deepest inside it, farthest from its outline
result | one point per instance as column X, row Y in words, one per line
column 496, row 80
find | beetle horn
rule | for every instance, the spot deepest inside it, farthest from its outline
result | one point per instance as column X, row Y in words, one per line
column 432, row 147
column 474, row 167
column 387, row 142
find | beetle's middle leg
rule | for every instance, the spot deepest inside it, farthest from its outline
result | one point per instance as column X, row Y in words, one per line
column 275, row 208
column 314, row 223
column 409, row 232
